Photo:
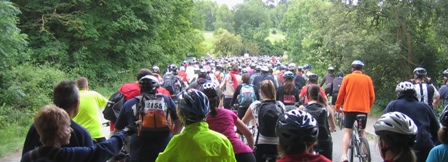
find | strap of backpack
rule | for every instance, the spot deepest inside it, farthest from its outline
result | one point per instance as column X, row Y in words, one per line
column 421, row 92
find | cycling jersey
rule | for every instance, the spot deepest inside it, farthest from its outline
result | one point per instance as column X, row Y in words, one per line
column 356, row 93
column 198, row 143
column 90, row 103
column 425, row 92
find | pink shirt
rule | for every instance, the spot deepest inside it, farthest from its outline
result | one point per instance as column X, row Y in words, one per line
column 224, row 123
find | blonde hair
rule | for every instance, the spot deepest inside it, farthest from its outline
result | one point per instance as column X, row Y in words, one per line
column 50, row 122
column 268, row 90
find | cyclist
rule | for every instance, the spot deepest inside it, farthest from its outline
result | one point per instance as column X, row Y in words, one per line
column 306, row 71
column 297, row 131
column 397, row 133
column 224, row 121
column 287, row 93
column 421, row 114
column 264, row 76
column 312, row 80
column 439, row 153
column 357, row 96
column 317, row 106
column 444, row 89
column 197, row 142
column 238, row 92
column 328, row 80
column 426, row 92
column 229, row 85
column 336, row 85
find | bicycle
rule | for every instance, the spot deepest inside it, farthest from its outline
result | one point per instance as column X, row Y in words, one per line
column 339, row 119
column 359, row 143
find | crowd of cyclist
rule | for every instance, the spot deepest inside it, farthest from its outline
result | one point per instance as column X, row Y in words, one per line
column 280, row 110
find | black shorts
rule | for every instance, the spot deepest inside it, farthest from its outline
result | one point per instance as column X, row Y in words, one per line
column 327, row 90
column 350, row 118
column 334, row 97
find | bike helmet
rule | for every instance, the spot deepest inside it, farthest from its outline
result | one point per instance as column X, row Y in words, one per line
column 297, row 127
column 155, row 69
column 288, row 75
column 283, row 67
column 405, row 86
column 339, row 74
column 193, row 106
column 396, row 128
column 244, row 71
column 148, row 84
column 445, row 73
column 209, row 89
column 357, row 63
column 258, row 68
column 173, row 68
column 420, row 71
column 313, row 77
column 307, row 67
column 202, row 73
column 253, row 65
column 182, row 68
column 292, row 66
column 444, row 117
column 331, row 68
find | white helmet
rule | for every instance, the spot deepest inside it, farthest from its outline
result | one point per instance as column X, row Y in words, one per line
column 396, row 127
column 404, row 86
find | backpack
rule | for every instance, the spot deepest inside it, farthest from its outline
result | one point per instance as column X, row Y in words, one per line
column 247, row 95
column 320, row 113
column 169, row 83
column 155, row 117
column 36, row 156
column 268, row 114
column 114, row 106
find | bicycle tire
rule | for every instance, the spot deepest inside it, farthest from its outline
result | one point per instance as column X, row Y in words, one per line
column 340, row 121
column 364, row 151
column 351, row 148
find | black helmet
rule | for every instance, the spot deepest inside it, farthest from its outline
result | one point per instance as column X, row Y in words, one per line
column 297, row 127
column 155, row 69
column 445, row 73
column 173, row 68
column 202, row 73
column 307, row 67
column 244, row 71
column 148, row 84
column 313, row 77
column 444, row 117
column 209, row 89
column 339, row 74
column 194, row 106
column 420, row 71
column 357, row 64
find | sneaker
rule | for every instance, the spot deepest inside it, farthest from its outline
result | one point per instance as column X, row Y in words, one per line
column 344, row 159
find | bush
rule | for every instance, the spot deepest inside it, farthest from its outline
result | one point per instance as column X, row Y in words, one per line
column 274, row 31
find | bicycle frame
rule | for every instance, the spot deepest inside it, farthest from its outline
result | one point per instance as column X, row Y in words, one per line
column 358, row 143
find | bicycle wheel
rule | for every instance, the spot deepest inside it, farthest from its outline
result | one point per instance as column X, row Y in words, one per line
column 364, row 151
column 351, row 148
column 340, row 121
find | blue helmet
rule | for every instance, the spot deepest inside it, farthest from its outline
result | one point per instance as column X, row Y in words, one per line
column 194, row 106
column 288, row 75
column 307, row 67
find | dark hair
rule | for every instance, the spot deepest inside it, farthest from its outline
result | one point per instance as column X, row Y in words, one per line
column 82, row 83
column 267, row 89
column 142, row 72
column 235, row 67
column 284, row 150
column 245, row 78
column 214, row 102
column 357, row 68
column 443, row 135
column 65, row 94
column 313, row 93
column 289, row 85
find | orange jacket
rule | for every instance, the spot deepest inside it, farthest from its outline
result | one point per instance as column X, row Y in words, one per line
column 356, row 93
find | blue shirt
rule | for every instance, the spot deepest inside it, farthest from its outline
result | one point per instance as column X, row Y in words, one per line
column 438, row 154
column 99, row 152
column 143, row 149
column 423, row 117
column 258, row 79
column 444, row 94
column 79, row 137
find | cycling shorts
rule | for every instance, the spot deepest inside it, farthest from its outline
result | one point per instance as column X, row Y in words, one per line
column 350, row 118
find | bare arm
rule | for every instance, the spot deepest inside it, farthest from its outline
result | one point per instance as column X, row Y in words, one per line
column 246, row 132
column 330, row 119
column 248, row 116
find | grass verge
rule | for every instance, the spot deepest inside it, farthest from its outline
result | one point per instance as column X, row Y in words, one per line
column 12, row 138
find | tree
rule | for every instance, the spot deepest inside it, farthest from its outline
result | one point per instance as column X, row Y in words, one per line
column 224, row 19
column 205, row 14
column 227, row 44
column 252, row 20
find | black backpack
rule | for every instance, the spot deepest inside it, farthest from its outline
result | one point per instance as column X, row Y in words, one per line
column 268, row 114
column 320, row 113
column 114, row 106
column 169, row 83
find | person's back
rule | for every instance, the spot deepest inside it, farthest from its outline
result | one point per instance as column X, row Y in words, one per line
column 66, row 96
column 257, row 80
column 356, row 93
column 197, row 142
column 421, row 114
column 440, row 152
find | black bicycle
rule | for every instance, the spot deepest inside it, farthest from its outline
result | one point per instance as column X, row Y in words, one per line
column 359, row 146
column 339, row 119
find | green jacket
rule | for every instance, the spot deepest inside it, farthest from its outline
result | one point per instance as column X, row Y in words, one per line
column 198, row 143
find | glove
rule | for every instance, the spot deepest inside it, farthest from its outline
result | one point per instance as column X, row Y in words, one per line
column 130, row 129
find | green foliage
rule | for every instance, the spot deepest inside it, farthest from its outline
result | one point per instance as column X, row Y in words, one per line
column 12, row 43
column 227, row 44
column 252, row 20
column 205, row 15
column 224, row 19
column 11, row 138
